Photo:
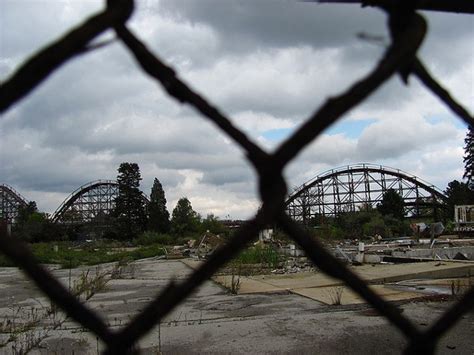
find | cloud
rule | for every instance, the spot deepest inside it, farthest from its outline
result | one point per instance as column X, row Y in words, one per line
column 432, row 151
column 22, row 28
column 246, row 25
column 266, row 64
column 393, row 138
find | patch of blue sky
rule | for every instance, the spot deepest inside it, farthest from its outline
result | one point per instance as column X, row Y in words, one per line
column 354, row 128
column 458, row 123
column 351, row 129
column 278, row 134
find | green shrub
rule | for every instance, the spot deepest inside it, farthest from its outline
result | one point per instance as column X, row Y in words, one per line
column 327, row 233
column 95, row 253
column 150, row 238
column 5, row 261
column 147, row 252
column 259, row 255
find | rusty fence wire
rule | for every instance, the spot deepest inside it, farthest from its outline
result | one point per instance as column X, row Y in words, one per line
column 407, row 29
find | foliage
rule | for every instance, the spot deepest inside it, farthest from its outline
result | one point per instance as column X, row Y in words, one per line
column 392, row 204
column 395, row 227
column 458, row 193
column 469, row 157
column 149, row 251
column 24, row 212
column 423, row 209
column 34, row 226
column 129, row 205
column 361, row 224
column 376, row 226
column 365, row 207
column 259, row 255
column 212, row 224
column 335, row 232
column 158, row 215
column 29, row 225
column 87, row 284
column 70, row 256
column 150, row 238
column 184, row 220
column 236, row 272
column 352, row 222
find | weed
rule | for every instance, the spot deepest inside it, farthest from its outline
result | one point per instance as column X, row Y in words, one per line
column 122, row 268
column 460, row 286
column 235, row 279
column 88, row 285
column 335, row 294
column 28, row 327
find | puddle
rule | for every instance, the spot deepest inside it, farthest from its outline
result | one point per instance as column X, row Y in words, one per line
column 426, row 289
column 434, row 287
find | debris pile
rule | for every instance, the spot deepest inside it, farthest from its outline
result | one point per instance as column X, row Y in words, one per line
column 208, row 243
column 405, row 250
column 293, row 265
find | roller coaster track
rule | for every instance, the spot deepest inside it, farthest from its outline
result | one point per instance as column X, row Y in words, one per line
column 359, row 186
column 88, row 202
column 10, row 203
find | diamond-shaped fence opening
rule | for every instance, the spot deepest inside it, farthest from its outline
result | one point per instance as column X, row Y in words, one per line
column 407, row 28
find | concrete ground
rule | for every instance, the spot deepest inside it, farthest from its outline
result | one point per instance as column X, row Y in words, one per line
column 214, row 321
column 384, row 279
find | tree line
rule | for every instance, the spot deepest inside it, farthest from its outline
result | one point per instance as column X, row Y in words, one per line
column 134, row 217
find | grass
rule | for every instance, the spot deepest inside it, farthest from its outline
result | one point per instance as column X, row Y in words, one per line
column 69, row 256
column 335, row 294
column 259, row 255
column 152, row 238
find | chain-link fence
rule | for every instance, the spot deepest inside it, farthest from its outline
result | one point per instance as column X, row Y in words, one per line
column 407, row 29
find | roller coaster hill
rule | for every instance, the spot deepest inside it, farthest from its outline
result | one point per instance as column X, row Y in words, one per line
column 86, row 209
column 345, row 189
column 362, row 187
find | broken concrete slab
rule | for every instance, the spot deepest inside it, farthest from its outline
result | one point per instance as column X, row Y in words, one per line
column 440, row 253
column 248, row 285
column 344, row 295
column 433, row 270
column 211, row 320
column 308, row 284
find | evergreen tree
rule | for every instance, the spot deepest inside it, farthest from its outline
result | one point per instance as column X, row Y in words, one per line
column 392, row 204
column 458, row 193
column 158, row 215
column 184, row 220
column 212, row 224
column 129, row 210
column 469, row 157
column 34, row 226
column 24, row 212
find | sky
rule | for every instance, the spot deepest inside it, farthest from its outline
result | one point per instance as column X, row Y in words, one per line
column 268, row 64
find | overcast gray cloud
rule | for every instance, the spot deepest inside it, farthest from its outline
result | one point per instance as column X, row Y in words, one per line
column 267, row 63
column 247, row 25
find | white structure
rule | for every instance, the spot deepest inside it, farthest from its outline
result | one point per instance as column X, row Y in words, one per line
column 464, row 218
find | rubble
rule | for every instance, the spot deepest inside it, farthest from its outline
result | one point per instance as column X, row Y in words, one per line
column 396, row 250
column 293, row 265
